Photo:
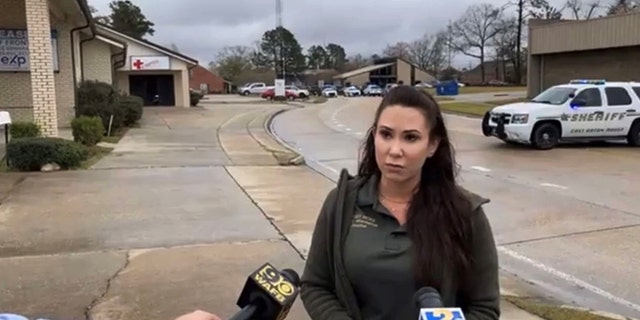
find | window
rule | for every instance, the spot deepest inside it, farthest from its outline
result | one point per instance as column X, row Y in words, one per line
column 617, row 96
column 554, row 95
column 637, row 91
column 591, row 96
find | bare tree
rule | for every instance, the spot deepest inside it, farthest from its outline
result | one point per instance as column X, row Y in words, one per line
column 473, row 32
column 400, row 49
column 232, row 61
column 356, row 62
column 623, row 6
column 582, row 10
column 420, row 51
column 438, row 53
column 505, row 44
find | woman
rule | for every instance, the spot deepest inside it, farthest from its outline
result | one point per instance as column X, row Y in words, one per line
column 401, row 224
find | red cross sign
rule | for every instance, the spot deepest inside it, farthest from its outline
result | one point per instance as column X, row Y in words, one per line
column 138, row 64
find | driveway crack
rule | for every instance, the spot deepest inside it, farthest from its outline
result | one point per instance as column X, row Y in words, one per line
column 87, row 313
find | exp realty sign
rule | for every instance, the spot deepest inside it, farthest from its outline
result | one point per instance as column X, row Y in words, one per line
column 14, row 50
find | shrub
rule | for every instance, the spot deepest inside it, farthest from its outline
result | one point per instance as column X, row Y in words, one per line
column 87, row 130
column 195, row 98
column 30, row 154
column 24, row 129
column 133, row 106
column 100, row 99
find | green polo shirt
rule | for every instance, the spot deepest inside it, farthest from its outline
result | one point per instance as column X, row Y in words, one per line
column 378, row 258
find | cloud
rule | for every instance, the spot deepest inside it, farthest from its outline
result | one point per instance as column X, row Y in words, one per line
column 200, row 28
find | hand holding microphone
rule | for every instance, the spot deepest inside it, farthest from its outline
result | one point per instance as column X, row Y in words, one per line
column 199, row 315
column 268, row 294
column 431, row 308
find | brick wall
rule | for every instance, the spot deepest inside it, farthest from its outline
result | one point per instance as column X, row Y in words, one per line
column 42, row 82
column 65, row 95
column 200, row 75
column 15, row 88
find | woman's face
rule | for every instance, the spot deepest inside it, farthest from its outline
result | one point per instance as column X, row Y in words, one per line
column 402, row 143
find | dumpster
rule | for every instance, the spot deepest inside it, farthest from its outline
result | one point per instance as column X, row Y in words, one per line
column 447, row 88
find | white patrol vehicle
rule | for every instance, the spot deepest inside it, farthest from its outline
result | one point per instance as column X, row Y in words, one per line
column 582, row 110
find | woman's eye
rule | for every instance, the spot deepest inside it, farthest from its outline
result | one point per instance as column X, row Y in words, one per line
column 412, row 137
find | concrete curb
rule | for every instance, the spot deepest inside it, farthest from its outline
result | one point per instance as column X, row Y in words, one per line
column 298, row 159
column 505, row 294
column 599, row 313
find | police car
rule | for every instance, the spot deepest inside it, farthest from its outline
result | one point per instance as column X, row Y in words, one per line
column 582, row 110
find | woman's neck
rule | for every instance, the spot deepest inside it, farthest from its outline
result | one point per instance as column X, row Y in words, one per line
column 398, row 191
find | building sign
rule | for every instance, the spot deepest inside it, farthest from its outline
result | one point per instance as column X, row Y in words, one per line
column 14, row 50
column 150, row 63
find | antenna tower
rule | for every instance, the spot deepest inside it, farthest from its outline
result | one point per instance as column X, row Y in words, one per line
column 278, row 13
column 278, row 25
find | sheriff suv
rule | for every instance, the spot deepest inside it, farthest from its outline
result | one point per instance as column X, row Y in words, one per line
column 582, row 110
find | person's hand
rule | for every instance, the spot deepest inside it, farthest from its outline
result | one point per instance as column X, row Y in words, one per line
column 199, row 315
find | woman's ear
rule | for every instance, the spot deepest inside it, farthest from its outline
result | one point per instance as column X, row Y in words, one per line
column 433, row 147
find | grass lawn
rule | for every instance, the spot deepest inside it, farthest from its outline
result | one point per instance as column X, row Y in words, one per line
column 317, row 99
column 468, row 108
column 116, row 136
column 3, row 165
column 477, row 109
column 95, row 154
column 466, row 90
column 551, row 312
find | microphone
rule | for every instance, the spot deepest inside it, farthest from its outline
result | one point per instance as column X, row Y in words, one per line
column 268, row 294
column 431, row 308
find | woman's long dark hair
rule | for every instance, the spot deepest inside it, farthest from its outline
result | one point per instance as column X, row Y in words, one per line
column 438, row 218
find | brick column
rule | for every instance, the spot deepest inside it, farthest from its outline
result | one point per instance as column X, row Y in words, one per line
column 43, row 89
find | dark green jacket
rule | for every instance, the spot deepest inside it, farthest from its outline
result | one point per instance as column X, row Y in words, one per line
column 327, row 293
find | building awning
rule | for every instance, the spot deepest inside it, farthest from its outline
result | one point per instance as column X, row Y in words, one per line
column 363, row 70
column 111, row 42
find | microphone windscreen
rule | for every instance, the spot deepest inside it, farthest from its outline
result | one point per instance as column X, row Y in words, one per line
column 427, row 297
column 292, row 276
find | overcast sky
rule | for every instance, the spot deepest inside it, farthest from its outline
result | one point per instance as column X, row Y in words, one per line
column 200, row 28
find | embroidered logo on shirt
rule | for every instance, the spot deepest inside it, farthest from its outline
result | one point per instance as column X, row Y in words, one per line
column 362, row 221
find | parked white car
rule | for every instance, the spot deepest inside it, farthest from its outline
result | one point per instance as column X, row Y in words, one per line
column 423, row 85
column 253, row 88
column 301, row 93
column 582, row 110
column 372, row 90
column 352, row 91
column 330, row 92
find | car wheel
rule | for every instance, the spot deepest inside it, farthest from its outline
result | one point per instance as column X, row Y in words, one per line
column 302, row 96
column 486, row 129
column 545, row 136
column 633, row 138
